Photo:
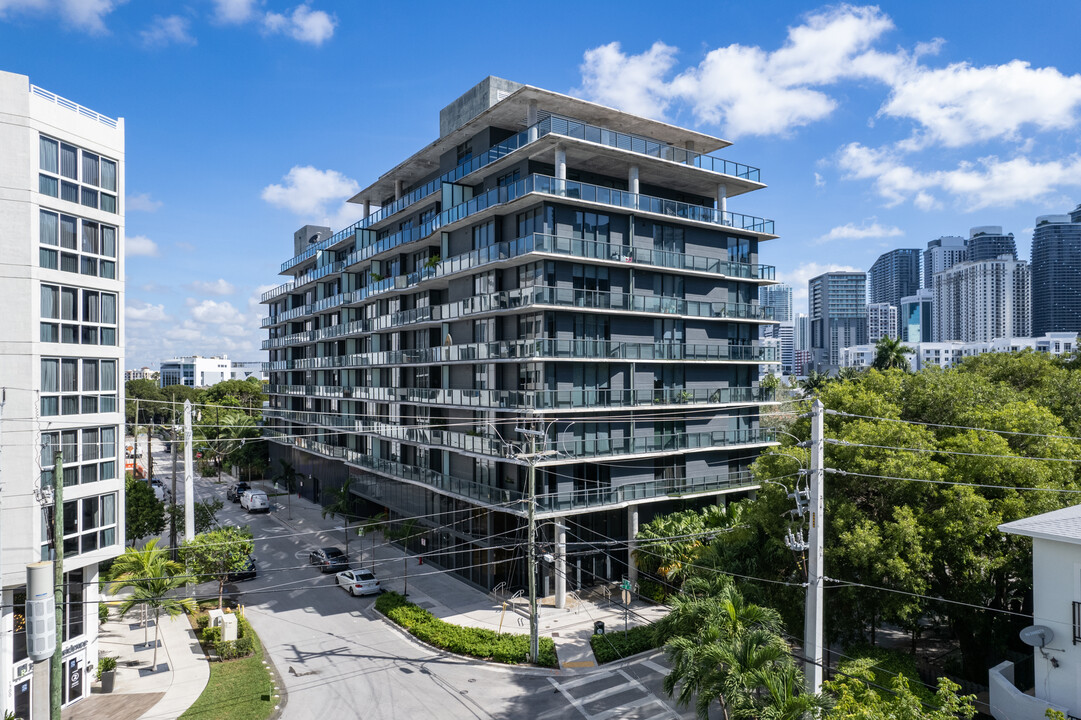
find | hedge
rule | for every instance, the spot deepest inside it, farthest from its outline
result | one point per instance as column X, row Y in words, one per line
column 618, row 645
column 476, row 642
column 243, row 646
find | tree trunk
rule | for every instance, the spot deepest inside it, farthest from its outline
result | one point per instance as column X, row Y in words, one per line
column 154, row 662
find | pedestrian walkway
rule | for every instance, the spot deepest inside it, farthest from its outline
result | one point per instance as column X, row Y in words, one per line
column 455, row 601
column 138, row 693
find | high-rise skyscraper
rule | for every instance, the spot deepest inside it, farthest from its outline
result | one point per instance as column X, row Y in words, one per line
column 838, row 316
column 981, row 301
column 535, row 283
column 61, row 355
column 895, row 274
column 1056, row 273
column 881, row 321
column 778, row 297
column 941, row 254
column 917, row 316
column 987, row 242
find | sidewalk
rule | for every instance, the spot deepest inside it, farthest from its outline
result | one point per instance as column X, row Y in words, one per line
column 137, row 694
column 455, row 601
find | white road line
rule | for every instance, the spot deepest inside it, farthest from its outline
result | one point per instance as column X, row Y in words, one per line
column 627, row 707
column 654, row 667
column 601, row 694
column 584, row 680
column 570, row 698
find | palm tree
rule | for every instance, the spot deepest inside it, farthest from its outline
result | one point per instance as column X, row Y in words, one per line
column 890, row 354
column 814, row 383
column 289, row 480
column 341, row 506
column 850, row 373
column 151, row 576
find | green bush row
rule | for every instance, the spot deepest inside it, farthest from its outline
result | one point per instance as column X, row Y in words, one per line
column 619, row 644
column 475, row 642
column 243, row 646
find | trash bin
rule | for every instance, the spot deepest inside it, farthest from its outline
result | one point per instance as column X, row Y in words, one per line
column 598, row 627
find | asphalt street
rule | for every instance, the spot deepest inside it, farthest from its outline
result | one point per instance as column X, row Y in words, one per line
column 337, row 657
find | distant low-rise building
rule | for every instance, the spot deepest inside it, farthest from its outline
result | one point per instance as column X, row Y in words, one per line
column 143, row 373
column 949, row 354
column 198, row 371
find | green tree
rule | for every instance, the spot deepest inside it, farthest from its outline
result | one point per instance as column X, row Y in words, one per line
column 288, row 476
column 814, row 383
column 144, row 514
column 245, row 394
column 206, row 515
column 215, row 554
column 670, row 544
column 890, row 354
column 858, row 695
column 152, row 578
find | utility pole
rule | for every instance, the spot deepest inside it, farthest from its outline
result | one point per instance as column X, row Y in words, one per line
column 189, row 477
column 534, row 640
column 172, row 515
column 812, row 633
column 57, row 675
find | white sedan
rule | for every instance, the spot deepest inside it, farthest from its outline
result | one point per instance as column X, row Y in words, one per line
column 359, row 582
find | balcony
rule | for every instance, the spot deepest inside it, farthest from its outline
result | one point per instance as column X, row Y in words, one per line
column 552, row 124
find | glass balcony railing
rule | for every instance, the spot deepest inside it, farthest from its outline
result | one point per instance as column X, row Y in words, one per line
column 516, row 399
column 552, row 124
column 513, row 500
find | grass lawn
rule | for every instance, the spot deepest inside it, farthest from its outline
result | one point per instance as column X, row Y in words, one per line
column 238, row 690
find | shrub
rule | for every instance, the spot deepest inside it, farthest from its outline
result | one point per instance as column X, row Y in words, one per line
column 652, row 590
column 211, row 635
column 475, row 642
column 103, row 613
column 202, row 621
column 106, row 663
column 618, row 645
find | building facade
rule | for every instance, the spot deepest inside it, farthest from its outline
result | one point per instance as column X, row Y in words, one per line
column 917, row 317
column 983, row 301
column 550, row 284
column 778, row 297
column 942, row 254
column 894, row 275
column 837, row 302
column 881, row 321
column 62, row 261
column 1056, row 273
column 946, row 355
column 143, row 373
column 199, row 371
column 988, row 242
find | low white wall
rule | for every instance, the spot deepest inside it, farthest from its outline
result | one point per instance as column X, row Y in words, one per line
column 1009, row 703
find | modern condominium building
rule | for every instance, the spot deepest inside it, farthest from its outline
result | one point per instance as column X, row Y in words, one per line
column 983, row 301
column 61, row 355
column 917, row 316
column 881, row 321
column 199, row 371
column 838, row 316
column 895, row 274
column 1056, row 273
column 551, row 284
column 988, row 242
column 778, row 297
column 942, row 254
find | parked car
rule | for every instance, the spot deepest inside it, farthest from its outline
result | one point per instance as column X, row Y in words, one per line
column 160, row 491
column 255, row 501
column 235, row 491
column 329, row 559
column 248, row 573
column 359, row 582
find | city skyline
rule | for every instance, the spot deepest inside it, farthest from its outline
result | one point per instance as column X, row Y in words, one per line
column 878, row 144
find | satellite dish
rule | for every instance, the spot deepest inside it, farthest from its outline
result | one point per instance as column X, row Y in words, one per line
column 313, row 239
column 1037, row 635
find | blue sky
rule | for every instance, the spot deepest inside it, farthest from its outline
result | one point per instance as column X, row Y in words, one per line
column 875, row 126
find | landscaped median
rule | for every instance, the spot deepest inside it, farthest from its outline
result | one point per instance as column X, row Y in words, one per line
column 508, row 648
column 240, row 686
column 608, row 647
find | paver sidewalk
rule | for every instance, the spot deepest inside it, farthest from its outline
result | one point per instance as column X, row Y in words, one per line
column 450, row 599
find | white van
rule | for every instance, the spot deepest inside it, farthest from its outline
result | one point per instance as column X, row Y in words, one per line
column 255, row 501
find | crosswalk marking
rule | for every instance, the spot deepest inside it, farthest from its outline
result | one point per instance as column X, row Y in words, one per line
column 624, row 707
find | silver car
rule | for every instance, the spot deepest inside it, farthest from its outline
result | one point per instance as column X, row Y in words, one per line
column 359, row 582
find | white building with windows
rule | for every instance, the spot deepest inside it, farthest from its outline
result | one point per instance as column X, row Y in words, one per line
column 950, row 354
column 983, row 300
column 199, row 371
column 143, row 373
column 881, row 321
column 61, row 354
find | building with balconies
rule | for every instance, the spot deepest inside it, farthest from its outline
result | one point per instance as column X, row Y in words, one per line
column 837, row 304
column 551, row 286
column 61, row 359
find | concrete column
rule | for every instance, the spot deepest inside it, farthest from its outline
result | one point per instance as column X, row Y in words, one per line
column 367, row 207
column 397, row 189
column 531, row 120
column 561, row 563
column 722, row 198
column 632, row 179
column 561, row 162
column 632, row 544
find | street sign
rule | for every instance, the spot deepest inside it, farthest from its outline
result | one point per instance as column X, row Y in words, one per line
column 625, row 585
column 626, row 597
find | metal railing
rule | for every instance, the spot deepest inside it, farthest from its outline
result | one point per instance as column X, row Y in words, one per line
column 73, row 106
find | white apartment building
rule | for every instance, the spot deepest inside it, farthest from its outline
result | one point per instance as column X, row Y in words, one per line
column 950, row 354
column 983, row 300
column 143, row 373
column 61, row 354
column 942, row 254
column 881, row 321
column 199, row 371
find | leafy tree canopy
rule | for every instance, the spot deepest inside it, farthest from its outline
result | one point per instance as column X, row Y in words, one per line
column 215, row 554
column 144, row 514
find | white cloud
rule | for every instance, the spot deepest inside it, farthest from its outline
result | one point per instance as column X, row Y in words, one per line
column 140, row 245
column 215, row 313
column 316, row 195
column 86, row 15
column 141, row 203
column 987, row 182
column 303, row 24
column 799, row 277
column 144, row 314
column 819, row 180
column 167, row 31
column 634, row 83
column 212, row 287
column 850, row 231
column 961, row 104
column 233, row 11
